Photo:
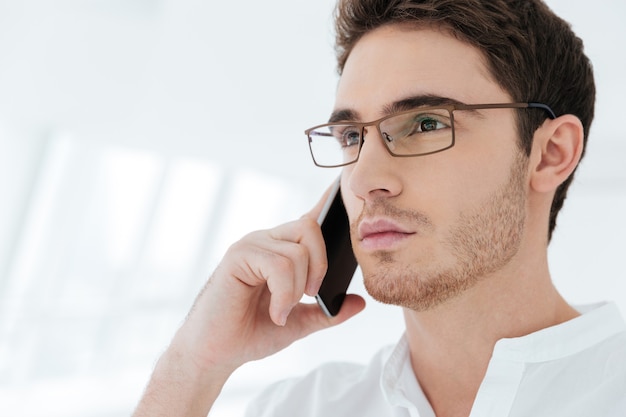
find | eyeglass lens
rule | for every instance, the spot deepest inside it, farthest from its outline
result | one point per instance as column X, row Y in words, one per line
column 417, row 132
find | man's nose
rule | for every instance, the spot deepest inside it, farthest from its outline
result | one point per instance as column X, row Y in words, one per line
column 375, row 174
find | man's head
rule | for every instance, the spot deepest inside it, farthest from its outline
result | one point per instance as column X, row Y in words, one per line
column 426, row 229
column 528, row 50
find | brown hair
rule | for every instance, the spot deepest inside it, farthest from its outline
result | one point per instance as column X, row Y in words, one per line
column 532, row 53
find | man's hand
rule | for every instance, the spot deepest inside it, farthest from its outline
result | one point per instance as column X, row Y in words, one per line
column 249, row 309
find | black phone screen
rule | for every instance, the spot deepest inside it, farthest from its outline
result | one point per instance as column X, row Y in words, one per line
column 341, row 260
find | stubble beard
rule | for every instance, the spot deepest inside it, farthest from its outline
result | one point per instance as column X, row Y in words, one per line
column 480, row 243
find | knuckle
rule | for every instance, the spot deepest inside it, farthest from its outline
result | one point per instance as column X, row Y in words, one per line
column 283, row 265
column 322, row 266
column 242, row 243
column 308, row 223
column 299, row 252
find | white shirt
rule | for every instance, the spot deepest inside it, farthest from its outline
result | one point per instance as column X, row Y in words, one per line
column 577, row 368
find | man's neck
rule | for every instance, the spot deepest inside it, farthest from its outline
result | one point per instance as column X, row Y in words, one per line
column 451, row 345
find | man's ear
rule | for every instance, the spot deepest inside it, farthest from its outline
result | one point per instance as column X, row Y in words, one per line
column 557, row 149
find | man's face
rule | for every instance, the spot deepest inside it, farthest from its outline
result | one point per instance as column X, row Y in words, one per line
column 425, row 229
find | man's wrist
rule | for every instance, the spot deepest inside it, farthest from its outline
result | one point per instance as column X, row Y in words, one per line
column 180, row 387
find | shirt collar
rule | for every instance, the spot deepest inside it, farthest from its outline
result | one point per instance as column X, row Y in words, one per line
column 399, row 384
column 596, row 323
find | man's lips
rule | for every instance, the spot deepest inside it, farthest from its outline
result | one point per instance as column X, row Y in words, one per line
column 381, row 233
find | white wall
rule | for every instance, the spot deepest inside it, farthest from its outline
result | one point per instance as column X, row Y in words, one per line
column 122, row 133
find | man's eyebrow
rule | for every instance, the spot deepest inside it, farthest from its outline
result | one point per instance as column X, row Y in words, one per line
column 409, row 103
column 414, row 102
column 343, row 115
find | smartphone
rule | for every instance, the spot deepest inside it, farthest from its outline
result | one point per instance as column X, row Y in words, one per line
column 341, row 261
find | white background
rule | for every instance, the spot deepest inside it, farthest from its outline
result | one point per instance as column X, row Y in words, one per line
column 139, row 138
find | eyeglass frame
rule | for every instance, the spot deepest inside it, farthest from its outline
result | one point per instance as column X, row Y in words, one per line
column 449, row 107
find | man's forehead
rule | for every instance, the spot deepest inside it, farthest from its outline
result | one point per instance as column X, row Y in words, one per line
column 390, row 64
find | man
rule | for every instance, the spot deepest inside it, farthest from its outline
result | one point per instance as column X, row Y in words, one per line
column 461, row 124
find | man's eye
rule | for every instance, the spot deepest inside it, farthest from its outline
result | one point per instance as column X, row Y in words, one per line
column 428, row 124
column 347, row 137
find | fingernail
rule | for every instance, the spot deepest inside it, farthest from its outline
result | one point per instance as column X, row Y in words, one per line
column 282, row 319
column 311, row 289
column 314, row 287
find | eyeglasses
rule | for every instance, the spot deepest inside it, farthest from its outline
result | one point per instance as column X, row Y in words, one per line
column 416, row 132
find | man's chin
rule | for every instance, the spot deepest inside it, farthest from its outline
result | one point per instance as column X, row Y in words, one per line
column 414, row 292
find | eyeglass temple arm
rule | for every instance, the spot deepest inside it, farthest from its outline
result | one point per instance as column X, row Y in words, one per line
column 543, row 107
